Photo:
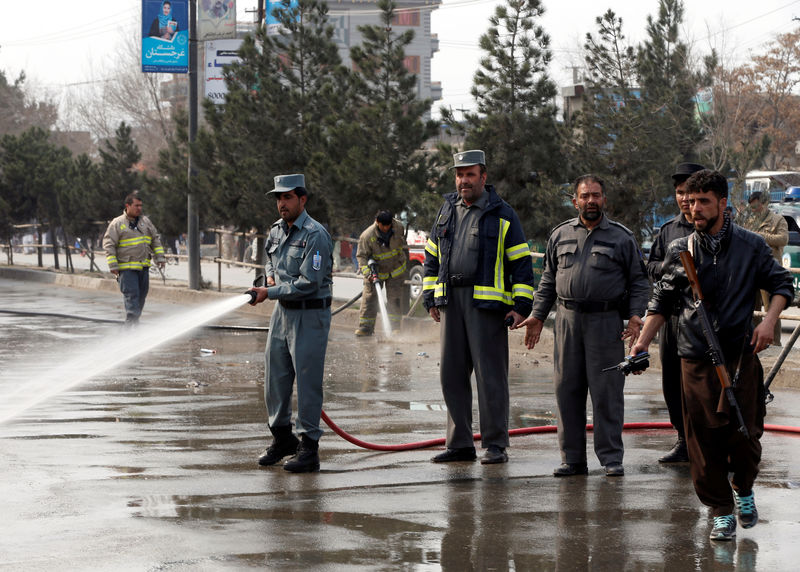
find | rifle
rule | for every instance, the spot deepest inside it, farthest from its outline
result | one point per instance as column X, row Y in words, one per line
column 714, row 348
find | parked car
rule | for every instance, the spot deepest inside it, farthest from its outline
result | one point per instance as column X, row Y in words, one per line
column 791, row 252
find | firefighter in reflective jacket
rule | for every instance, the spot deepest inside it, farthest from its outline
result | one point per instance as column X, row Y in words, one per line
column 385, row 244
column 478, row 275
column 130, row 242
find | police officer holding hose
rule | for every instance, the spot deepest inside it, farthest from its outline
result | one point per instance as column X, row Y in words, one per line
column 298, row 274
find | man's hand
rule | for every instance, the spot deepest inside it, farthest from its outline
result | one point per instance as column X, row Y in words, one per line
column 261, row 294
column 763, row 335
column 517, row 317
column 270, row 281
column 115, row 273
column 632, row 331
column 434, row 312
column 161, row 265
column 534, row 329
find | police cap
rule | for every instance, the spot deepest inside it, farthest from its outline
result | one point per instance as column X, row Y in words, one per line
column 287, row 183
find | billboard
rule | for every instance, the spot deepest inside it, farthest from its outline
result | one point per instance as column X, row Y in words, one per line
column 216, row 19
column 165, row 36
column 272, row 23
column 218, row 54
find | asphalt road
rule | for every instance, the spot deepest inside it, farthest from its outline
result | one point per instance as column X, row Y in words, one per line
column 151, row 465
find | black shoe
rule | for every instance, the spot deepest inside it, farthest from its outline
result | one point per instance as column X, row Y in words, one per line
column 678, row 453
column 451, row 455
column 615, row 470
column 494, row 455
column 284, row 443
column 306, row 460
column 570, row 469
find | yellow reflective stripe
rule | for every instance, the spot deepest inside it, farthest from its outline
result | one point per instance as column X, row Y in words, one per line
column 387, row 255
column 489, row 293
column 135, row 240
column 440, row 290
column 522, row 290
column 428, row 282
column 158, row 250
column 432, row 248
column 393, row 274
column 399, row 270
column 518, row 251
column 498, row 261
column 132, row 265
column 365, row 270
column 111, row 258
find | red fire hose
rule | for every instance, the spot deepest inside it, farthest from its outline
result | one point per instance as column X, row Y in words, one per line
column 521, row 431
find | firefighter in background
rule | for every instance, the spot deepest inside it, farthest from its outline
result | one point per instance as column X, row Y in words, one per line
column 384, row 243
column 131, row 242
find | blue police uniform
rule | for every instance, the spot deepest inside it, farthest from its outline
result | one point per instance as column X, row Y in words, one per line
column 300, row 260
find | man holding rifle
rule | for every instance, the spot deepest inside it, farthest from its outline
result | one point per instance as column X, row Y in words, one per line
column 723, row 426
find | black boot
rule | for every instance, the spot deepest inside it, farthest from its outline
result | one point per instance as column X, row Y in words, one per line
column 284, row 443
column 306, row 460
column 678, row 453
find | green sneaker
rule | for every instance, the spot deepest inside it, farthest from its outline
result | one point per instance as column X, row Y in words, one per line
column 746, row 509
column 724, row 528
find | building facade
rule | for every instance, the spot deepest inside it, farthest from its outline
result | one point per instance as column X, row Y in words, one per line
column 347, row 15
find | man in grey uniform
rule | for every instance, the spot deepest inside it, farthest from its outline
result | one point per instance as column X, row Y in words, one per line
column 298, row 273
column 478, row 279
column 594, row 270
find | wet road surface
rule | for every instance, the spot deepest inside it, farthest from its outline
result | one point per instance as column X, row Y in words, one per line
column 151, row 466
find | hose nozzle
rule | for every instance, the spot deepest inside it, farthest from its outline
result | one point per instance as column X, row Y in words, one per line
column 253, row 295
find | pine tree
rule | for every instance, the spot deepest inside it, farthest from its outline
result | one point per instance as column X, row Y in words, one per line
column 516, row 121
column 280, row 100
column 638, row 117
column 118, row 176
column 374, row 158
column 169, row 190
column 33, row 177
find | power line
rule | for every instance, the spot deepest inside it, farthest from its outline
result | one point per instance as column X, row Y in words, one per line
column 69, row 34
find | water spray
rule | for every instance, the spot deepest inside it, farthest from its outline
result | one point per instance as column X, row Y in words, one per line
column 382, row 301
column 109, row 353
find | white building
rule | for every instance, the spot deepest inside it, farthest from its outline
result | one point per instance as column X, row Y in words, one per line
column 347, row 15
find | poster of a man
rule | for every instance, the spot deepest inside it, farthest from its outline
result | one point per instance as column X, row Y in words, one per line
column 217, row 19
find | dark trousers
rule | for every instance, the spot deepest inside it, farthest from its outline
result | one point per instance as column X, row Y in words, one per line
column 671, row 373
column 134, row 285
column 476, row 340
column 585, row 343
column 715, row 446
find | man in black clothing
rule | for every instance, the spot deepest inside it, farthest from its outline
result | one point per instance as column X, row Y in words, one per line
column 676, row 227
column 732, row 265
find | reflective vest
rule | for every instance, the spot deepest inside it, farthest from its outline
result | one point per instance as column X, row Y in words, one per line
column 391, row 260
column 505, row 271
column 131, row 248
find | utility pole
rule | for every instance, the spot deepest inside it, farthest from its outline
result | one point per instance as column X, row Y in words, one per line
column 193, row 240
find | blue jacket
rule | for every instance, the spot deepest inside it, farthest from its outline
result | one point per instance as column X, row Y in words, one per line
column 503, row 281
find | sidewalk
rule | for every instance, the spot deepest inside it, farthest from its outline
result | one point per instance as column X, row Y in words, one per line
column 346, row 285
